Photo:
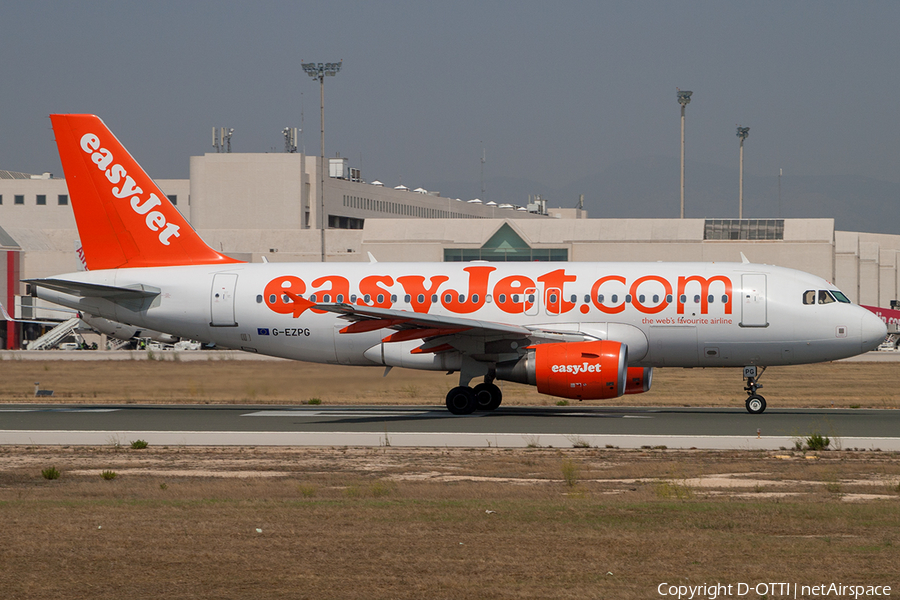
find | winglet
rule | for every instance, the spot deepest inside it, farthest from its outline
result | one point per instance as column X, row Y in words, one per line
column 5, row 314
column 123, row 218
column 371, row 257
column 744, row 259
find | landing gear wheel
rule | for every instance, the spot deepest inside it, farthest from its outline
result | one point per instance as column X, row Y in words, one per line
column 462, row 400
column 756, row 405
column 488, row 395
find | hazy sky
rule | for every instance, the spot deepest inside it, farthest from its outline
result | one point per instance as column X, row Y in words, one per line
column 552, row 90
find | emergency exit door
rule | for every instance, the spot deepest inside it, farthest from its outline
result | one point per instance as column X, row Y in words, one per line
column 753, row 300
column 222, row 300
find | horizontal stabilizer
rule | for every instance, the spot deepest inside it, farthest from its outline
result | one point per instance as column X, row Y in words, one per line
column 94, row 290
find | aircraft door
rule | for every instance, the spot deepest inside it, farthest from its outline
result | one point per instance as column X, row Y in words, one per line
column 753, row 300
column 222, row 300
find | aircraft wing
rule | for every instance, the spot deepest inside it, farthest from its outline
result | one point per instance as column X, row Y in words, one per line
column 94, row 290
column 439, row 332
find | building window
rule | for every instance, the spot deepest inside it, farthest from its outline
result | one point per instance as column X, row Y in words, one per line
column 19, row 199
column 62, row 199
column 1, row 198
column 337, row 222
column 743, row 229
column 505, row 246
column 42, row 199
column 173, row 198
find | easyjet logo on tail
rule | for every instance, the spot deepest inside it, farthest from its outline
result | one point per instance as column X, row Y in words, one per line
column 124, row 187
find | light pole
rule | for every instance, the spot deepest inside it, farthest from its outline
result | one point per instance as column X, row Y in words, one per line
column 684, row 98
column 319, row 71
column 742, row 132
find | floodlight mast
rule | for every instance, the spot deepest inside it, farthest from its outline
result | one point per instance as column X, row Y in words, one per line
column 319, row 71
column 684, row 98
column 742, row 132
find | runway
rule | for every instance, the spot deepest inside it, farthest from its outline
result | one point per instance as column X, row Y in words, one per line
column 559, row 427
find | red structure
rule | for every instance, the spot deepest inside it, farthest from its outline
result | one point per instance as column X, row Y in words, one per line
column 12, row 284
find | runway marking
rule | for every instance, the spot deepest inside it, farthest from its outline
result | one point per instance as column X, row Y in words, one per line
column 62, row 410
column 352, row 413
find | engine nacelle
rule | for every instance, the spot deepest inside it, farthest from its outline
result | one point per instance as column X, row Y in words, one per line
column 638, row 380
column 582, row 370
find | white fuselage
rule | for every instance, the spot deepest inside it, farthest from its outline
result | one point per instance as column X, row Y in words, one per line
column 668, row 314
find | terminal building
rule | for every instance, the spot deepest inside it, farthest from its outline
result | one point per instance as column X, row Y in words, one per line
column 258, row 207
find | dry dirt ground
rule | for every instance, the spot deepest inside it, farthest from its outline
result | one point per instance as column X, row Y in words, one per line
column 839, row 384
column 404, row 523
column 438, row 523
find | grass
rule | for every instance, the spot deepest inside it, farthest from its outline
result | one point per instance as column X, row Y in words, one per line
column 139, row 444
column 860, row 385
column 817, row 441
column 570, row 472
column 50, row 473
column 399, row 523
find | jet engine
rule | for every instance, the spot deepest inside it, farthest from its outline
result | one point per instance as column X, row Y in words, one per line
column 638, row 380
column 583, row 370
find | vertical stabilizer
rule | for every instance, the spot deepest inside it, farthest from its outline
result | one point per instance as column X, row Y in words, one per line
column 124, row 220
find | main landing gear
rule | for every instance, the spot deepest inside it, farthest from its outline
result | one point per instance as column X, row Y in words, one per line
column 463, row 400
column 755, row 403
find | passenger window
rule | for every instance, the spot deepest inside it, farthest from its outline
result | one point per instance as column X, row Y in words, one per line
column 697, row 299
column 825, row 297
column 809, row 297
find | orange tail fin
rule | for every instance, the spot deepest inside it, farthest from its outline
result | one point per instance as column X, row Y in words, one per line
column 123, row 218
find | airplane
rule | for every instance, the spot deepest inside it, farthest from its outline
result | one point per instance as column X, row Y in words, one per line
column 577, row 330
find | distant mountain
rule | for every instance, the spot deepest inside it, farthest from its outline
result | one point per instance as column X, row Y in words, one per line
column 647, row 187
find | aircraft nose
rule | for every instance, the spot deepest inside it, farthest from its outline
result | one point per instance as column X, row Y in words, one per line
column 872, row 331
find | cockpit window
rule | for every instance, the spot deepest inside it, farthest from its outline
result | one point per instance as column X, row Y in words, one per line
column 840, row 297
column 809, row 297
column 825, row 297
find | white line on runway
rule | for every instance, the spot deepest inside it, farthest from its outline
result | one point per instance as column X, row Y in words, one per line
column 62, row 410
column 361, row 414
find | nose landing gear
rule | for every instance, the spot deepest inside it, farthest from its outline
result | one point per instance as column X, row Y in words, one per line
column 755, row 403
